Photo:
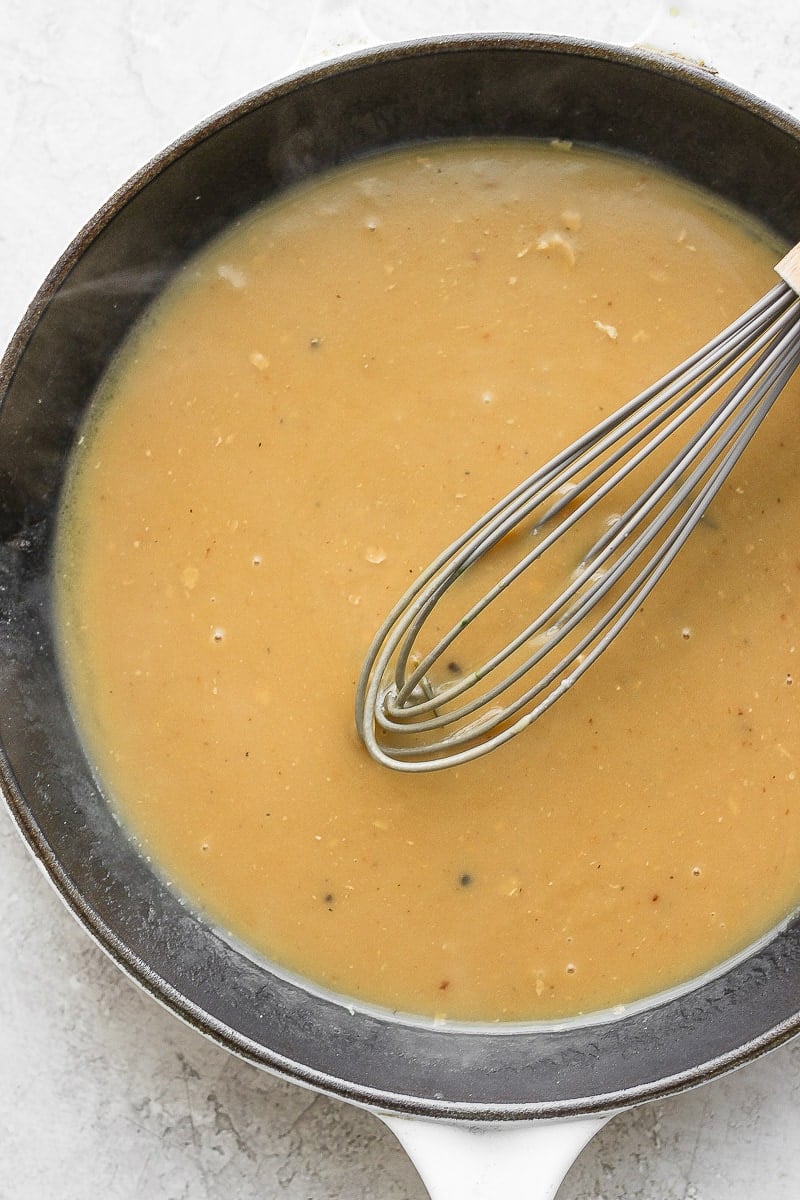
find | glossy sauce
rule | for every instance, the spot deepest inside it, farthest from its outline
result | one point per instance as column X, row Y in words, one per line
column 325, row 397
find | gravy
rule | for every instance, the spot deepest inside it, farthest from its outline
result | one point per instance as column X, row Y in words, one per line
column 321, row 400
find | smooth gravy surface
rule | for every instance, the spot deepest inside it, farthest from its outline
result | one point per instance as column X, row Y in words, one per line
column 324, row 398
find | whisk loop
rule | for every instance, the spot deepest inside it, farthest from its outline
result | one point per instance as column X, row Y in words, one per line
column 412, row 723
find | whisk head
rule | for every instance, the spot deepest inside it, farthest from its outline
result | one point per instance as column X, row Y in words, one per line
column 429, row 696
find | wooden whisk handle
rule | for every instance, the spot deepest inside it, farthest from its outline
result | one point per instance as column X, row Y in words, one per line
column 789, row 268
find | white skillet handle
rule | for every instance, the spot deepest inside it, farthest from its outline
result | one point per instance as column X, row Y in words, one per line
column 512, row 1160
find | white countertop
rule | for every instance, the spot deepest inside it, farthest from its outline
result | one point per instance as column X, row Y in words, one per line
column 103, row 1094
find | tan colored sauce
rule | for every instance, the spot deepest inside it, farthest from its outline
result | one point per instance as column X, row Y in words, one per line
column 327, row 396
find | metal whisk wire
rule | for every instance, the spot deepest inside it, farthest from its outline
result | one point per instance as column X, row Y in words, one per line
column 400, row 714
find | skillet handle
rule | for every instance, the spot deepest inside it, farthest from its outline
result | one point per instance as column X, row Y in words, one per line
column 515, row 1160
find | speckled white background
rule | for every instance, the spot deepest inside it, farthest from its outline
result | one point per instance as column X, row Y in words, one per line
column 102, row 1094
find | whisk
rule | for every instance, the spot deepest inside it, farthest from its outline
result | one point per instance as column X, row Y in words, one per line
column 411, row 722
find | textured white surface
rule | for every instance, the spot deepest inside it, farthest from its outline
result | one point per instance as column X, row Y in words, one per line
column 101, row 1092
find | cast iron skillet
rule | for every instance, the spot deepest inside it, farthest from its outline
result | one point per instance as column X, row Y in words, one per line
column 679, row 116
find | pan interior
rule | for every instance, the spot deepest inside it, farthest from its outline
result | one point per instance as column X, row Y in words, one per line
column 208, row 532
